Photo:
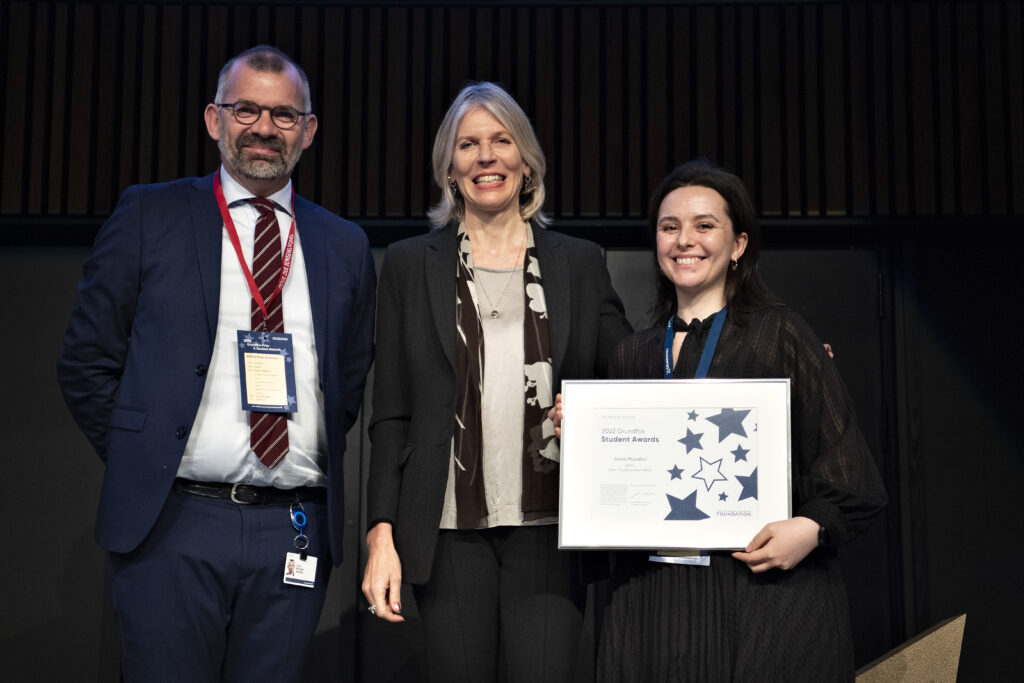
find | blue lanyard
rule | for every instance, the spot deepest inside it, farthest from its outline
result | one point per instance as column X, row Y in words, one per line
column 709, row 346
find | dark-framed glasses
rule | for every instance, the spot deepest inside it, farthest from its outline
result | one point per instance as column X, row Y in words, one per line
column 248, row 113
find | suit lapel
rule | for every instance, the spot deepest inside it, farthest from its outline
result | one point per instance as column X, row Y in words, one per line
column 440, row 262
column 314, row 255
column 207, row 226
column 557, row 281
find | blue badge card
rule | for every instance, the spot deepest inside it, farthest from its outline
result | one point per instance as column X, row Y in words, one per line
column 266, row 366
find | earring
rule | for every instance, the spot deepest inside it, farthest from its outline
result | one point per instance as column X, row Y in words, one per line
column 454, row 185
column 733, row 265
column 527, row 185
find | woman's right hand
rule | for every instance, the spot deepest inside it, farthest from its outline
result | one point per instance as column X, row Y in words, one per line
column 382, row 580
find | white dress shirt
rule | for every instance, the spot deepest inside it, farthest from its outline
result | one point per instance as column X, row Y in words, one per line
column 218, row 446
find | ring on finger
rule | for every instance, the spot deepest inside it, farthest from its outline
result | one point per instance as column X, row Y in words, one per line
column 373, row 610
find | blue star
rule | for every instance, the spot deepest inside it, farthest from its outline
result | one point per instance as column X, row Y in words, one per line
column 692, row 415
column 729, row 421
column 691, row 440
column 675, row 472
column 710, row 472
column 685, row 508
column 740, row 453
column 722, row 496
column 749, row 485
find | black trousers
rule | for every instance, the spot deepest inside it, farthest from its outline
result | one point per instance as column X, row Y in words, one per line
column 502, row 604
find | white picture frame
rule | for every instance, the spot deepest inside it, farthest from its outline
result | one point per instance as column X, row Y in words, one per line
column 673, row 464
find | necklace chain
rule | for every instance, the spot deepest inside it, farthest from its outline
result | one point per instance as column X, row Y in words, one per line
column 495, row 310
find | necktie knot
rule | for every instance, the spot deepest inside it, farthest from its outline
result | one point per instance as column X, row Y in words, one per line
column 264, row 205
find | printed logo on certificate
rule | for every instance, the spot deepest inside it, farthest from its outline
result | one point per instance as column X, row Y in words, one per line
column 659, row 465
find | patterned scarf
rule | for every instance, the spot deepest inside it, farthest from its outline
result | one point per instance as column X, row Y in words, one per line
column 540, row 449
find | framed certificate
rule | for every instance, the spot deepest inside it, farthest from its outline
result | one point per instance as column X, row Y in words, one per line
column 673, row 464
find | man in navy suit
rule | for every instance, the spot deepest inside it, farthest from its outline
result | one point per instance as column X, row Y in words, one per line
column 183, row 347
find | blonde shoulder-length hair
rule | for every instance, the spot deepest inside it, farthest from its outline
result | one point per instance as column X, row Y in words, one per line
column 494, row 99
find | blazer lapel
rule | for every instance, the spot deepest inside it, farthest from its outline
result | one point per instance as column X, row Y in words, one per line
column 557, row 282
column 314, row 255
column 440, row 261
column 207, row 225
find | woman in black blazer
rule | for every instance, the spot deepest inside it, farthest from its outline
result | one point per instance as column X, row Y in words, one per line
column 478, row 322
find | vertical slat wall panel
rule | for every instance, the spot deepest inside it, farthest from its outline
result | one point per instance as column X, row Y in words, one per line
column 827, row 109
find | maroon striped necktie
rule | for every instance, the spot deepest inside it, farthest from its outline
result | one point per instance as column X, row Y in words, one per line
column 268, row 432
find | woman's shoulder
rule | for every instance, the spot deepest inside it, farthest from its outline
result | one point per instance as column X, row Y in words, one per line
column 780, row 329
column 637, row 355
column 644, row 337
column 777, row 317
column 571, row 244
column 416, row 243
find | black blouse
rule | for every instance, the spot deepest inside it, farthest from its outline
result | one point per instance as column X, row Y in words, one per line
column 835, row 479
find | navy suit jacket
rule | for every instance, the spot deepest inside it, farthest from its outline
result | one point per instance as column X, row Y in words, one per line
column 141, row 336
column 415, row 390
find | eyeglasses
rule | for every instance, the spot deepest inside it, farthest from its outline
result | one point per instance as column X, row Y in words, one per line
column 248, row 113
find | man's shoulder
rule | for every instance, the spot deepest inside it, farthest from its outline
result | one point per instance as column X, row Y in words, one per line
column 172, row 186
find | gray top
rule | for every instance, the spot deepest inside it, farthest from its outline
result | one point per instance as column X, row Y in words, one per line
column 502, row 397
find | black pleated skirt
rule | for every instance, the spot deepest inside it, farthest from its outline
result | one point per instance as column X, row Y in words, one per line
column 670, row 622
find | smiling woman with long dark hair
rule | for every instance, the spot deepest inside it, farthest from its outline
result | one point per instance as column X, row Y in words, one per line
column 777, row 610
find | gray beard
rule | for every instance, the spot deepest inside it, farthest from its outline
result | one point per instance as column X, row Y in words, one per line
column 258, row 169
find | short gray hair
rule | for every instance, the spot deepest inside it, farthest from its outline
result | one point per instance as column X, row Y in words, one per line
column 498, row 102
column 267, row 59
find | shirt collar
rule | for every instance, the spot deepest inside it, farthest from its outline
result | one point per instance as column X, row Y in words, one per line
column 235, row 193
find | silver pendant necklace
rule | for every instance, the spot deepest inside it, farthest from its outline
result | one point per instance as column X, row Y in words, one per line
column 495, row 307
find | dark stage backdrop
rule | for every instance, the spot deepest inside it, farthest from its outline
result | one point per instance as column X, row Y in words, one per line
column 882, row 142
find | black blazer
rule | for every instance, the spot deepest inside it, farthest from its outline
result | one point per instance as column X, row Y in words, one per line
column 414, row 392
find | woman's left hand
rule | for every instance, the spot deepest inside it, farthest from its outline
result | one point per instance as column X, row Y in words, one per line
column 781, row 545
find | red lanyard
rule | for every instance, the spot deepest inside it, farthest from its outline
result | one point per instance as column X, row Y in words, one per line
column 286, row 257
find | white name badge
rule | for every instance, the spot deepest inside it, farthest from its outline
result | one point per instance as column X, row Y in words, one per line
column 266, row 366
column 298, row 571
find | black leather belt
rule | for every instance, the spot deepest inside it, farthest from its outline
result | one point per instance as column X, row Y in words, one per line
column 246, row 494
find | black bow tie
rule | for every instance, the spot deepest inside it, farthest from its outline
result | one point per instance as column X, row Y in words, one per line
column 678, row 325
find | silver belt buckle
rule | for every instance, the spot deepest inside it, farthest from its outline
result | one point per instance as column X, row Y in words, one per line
column 234, row 498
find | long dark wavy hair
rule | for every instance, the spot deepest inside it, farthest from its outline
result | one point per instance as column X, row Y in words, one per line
column 745, row 291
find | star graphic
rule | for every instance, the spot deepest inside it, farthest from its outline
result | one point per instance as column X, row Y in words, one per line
column 740, row 453
column 710, row 472
column 692, row 415
column 685, row 508
column 749, row 485
column 729, row 421
column 675, row 472
column 691, row 440
column 722, row 496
